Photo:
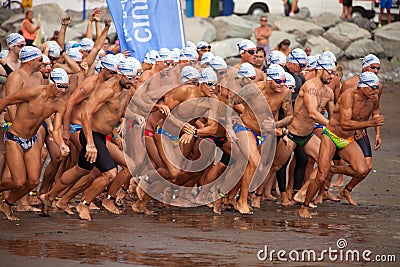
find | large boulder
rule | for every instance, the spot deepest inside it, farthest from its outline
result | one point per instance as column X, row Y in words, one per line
column 395, row 62
column 326, row 20
column 233, row 26
column 303, row 14
column 340, row 40
column 389, row 38
column 319, row 44
column 363, row 47
column 199, row 29
column 226, row 48
column 290, row 25
column 349, row 30
column 365, row 23
column 256, row 18
column 13, row 24
column 278, row 36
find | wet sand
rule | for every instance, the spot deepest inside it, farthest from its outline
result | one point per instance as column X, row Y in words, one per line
column 196, row 237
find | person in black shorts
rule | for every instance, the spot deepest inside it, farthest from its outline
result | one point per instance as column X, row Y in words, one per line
column 347, row 8
column 99, row 117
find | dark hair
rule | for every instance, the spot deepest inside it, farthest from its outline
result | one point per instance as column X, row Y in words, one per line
column 284, row 42
column 260, row 48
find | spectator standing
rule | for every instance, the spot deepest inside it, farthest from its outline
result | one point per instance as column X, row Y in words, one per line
column 290, row 7
column 28, row 29
column 382, row 5
column 347, row 8
column 262, row 34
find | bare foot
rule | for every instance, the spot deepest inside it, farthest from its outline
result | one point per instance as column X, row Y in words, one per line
column 244, row 208
column 328, row 195
column 319, row 199
column 217, row 206
column 346, row 194
column 289, row 193
column 287, row 202
column 149, row 212
column 84, row 212
column 64, row 206
column 312, row 205
column 119, row 200
column 270, row 197
column 108, row 204
column 93, row 206
column 22, row 208
column 304, row 213
column 255, row 201
column 6, row 209
column 136, row 207
column 34, row 200
column 298, row 197
column 44, row 198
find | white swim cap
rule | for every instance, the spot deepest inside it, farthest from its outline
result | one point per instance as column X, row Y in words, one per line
column 367, row 79
column 191, row 44
column 4, row 53
column 246, row 70
column 120, row 56
column 14, row 39
column 72, row 44
column 276, row 72
column 297, row 55
column 150, row 57
column 97, row 68
column 325, row 63
column 245, row 45
column 276, row 57
column 87, row 44
column 290, row 81
column 202, row 45
column 370, row 59
column 58, row 75
column 330, row 55
column 312, row 62
column 75, row 54
column 46, row 59
column 165, row 54
column 54, row 49
column 176, row 52
column 110, row 62
column 135, row 62
column 218, row 63
column 29, row 53
column 206, row 58
column 127, row 67
column 188, row 53
column 208, row 75
column 188, row 73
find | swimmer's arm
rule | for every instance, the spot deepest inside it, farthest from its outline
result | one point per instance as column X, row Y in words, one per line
column 12, row 85
column 378, row 140
column 330, row 106
column 98, row 44
column 212, row 124
column 346, row 112
column 287, row 111
column 57, row 123
column 76, row 98
column 95, row 102
column 20, row 96
column 63, row 29
column 311, row 104
column 70, row 66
